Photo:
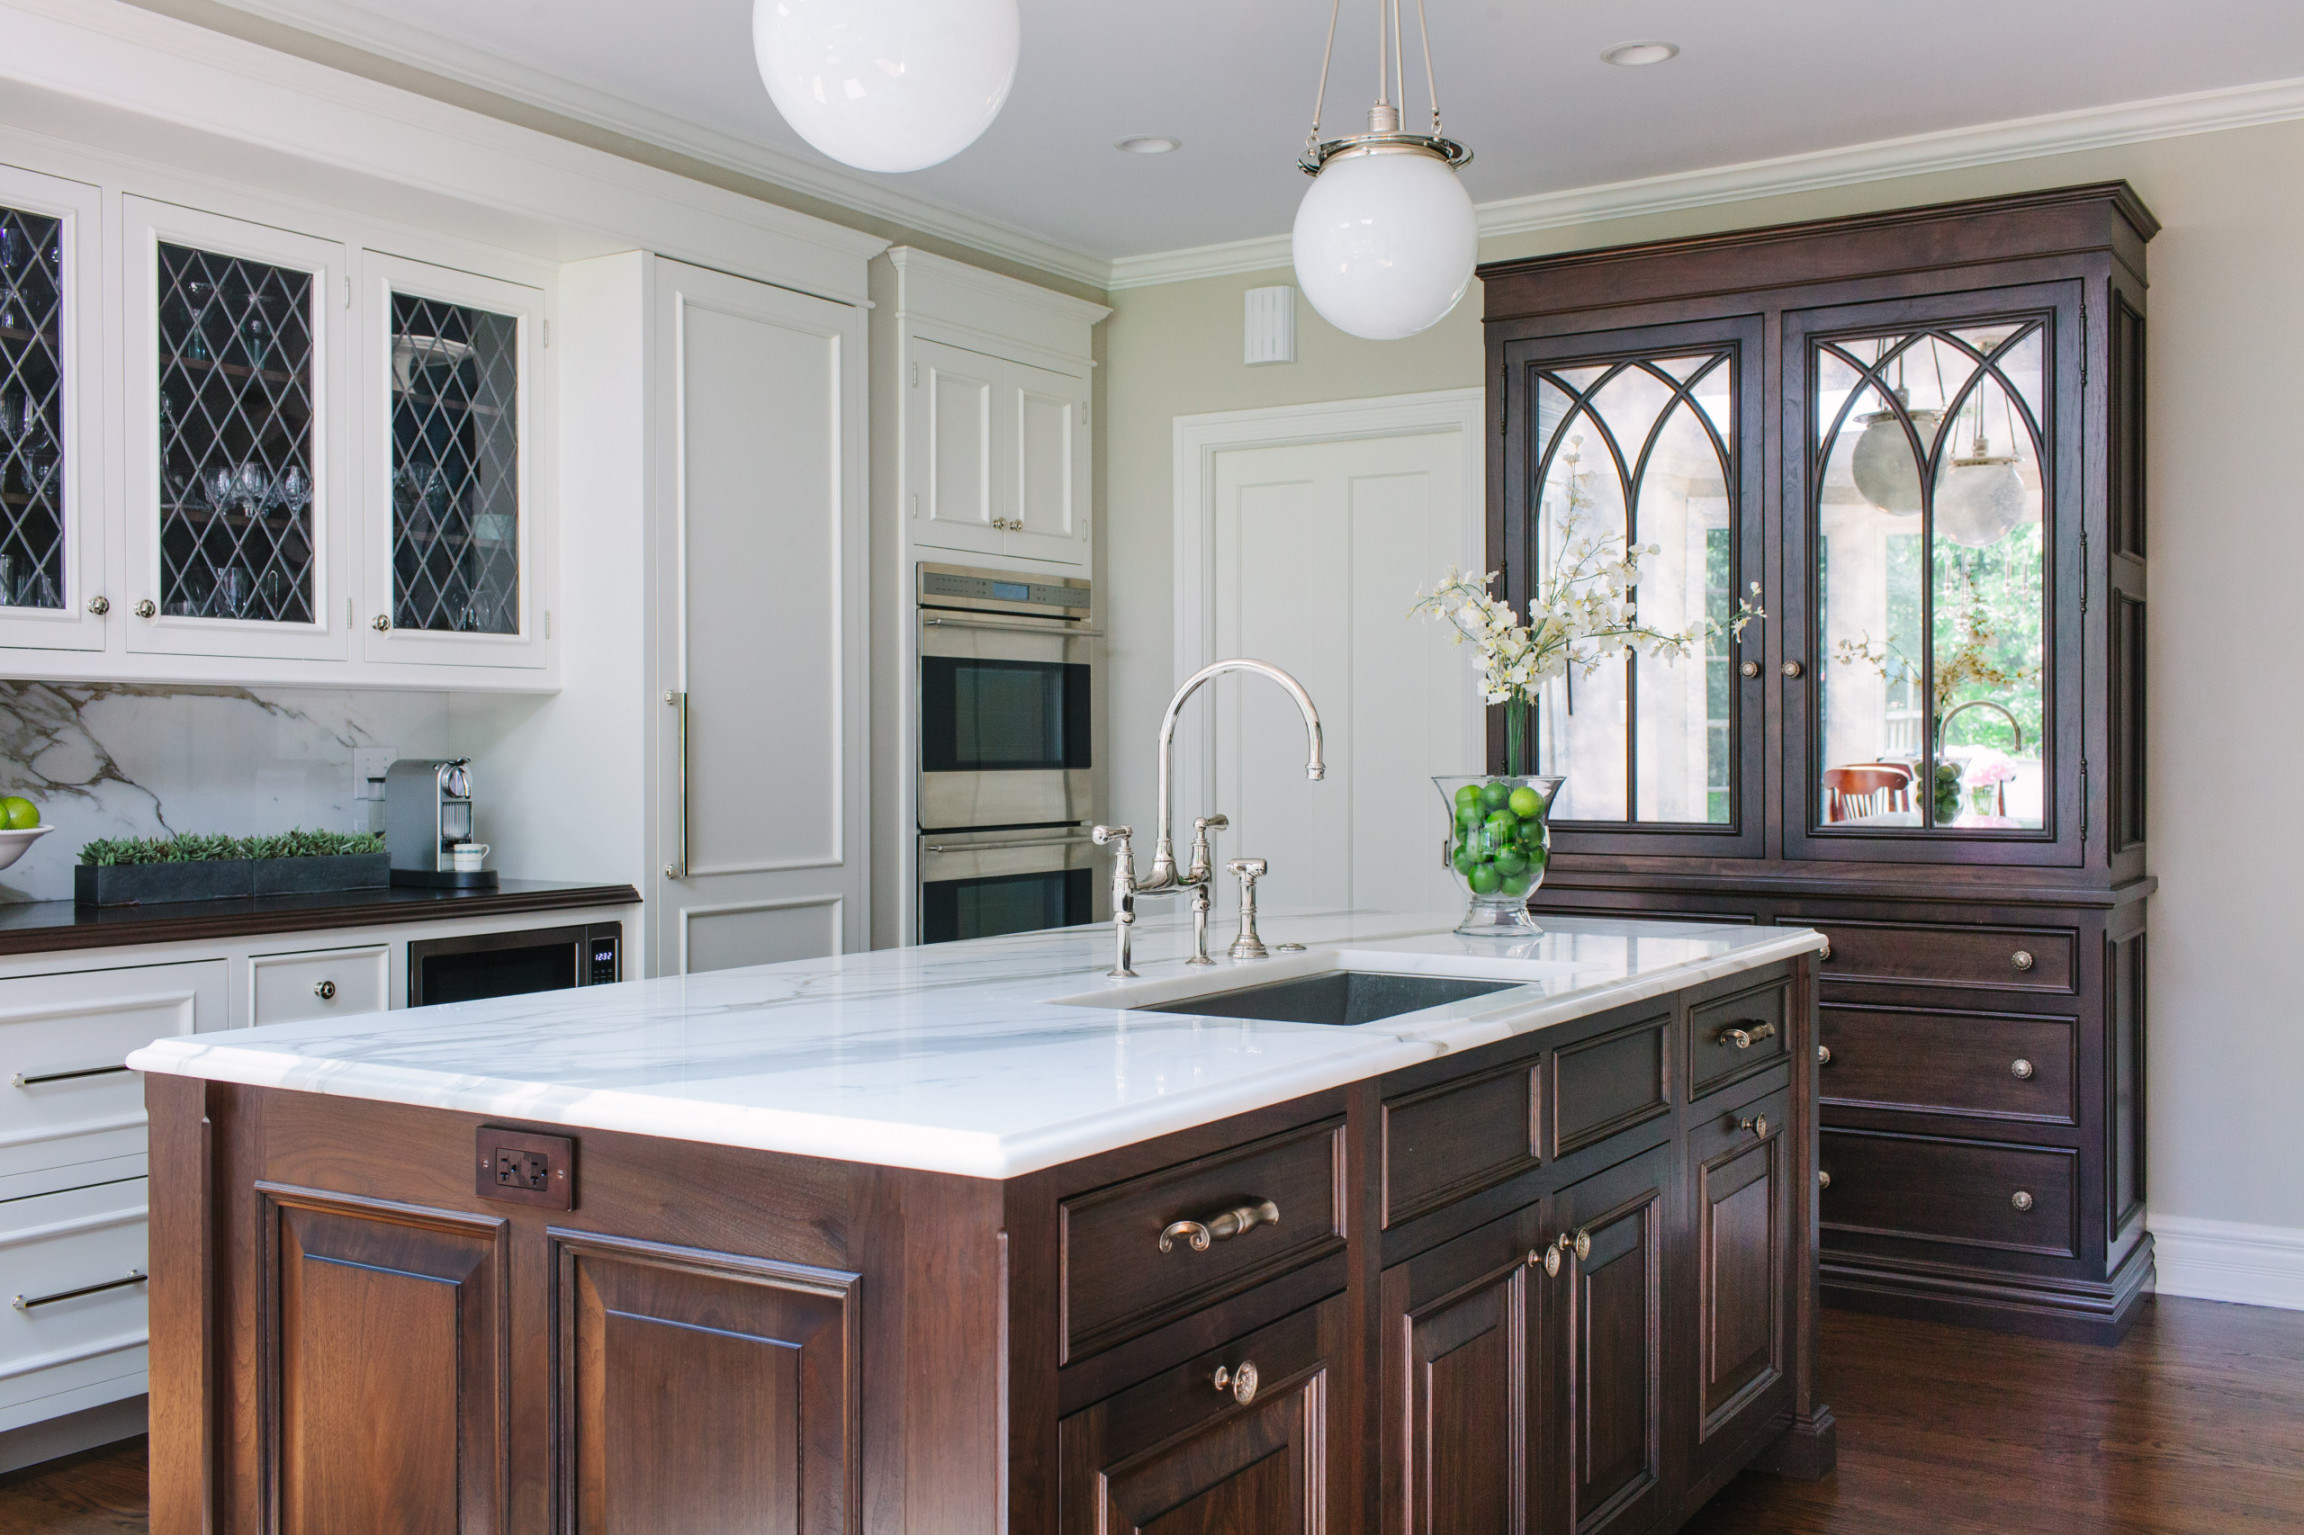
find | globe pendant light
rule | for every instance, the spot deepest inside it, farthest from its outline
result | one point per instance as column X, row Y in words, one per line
column 887, row 85
column 1386, row 238
column 1885, row 472
column 1982, row 496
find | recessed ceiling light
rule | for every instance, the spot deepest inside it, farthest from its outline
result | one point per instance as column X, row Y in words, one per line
column 1147, row 144
column 1632, row 55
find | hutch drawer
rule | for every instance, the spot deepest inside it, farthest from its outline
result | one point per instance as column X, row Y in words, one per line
column 1973, row 1193
column 1735, row 1036
column 1151, row 1249
column 1991, row 1065
column 2004, row 958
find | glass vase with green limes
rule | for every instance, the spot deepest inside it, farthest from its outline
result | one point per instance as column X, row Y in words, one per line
column 1498, row 845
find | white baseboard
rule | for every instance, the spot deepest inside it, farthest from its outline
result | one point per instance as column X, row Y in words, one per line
column 2229, row 1261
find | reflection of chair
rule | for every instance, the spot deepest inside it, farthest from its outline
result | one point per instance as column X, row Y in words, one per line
column 1873, row 789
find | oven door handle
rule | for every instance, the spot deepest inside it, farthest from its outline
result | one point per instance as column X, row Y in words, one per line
column 1001, row 847
column 979, row 623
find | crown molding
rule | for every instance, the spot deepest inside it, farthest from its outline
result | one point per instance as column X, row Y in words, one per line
column 431, row 53
column 1951, row 149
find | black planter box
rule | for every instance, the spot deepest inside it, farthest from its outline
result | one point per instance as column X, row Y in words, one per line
column 150, row 884
column 219, row 879
column 317, row 876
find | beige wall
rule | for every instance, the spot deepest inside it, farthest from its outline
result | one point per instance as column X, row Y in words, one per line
column 2226, row 1060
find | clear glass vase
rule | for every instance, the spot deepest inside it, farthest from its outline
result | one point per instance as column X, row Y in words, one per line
column 1498, row 845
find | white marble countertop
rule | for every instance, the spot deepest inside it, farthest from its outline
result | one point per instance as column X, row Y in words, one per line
column 989, row 1059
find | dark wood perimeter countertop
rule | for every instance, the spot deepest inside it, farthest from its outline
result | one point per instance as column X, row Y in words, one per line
column 39, row 927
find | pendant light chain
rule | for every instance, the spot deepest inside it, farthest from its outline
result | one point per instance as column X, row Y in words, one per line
column 1386, row 130
column 1320, row 102
column 1431, row 81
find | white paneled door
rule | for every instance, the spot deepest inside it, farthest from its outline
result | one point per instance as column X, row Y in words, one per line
column 1311, row 554
column 759, row 625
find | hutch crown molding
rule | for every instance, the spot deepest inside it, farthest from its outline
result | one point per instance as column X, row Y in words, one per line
column 1921, row 434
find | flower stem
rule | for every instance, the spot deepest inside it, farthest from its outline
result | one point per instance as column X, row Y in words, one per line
column 1516, row 736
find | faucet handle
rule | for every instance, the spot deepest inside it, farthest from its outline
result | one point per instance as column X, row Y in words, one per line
column 1104, row 834
column 1203, row 856
column 1248, row 945
column 1202, row 825
column 1249, row 870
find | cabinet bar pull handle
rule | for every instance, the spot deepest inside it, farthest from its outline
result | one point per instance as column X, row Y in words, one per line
column 1220, row 1227
column 1060, row 628
column 1756, row 1123
column 34, row 1079
column 2022, row 959
column 1741, row 1037
column 1240, row 1383
column 678, row 867
column 27, row 1302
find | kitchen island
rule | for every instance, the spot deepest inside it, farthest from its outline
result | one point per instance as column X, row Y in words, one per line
column 976, row 1238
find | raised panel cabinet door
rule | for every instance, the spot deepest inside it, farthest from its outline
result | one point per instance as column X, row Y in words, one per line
column 1240, row 1441
column 1046, row 420
column 1608, row 1378
column 386, row 1376
column 1739, row 1167
column 1463, row 1413
column 956, row 475
column 704, row 1392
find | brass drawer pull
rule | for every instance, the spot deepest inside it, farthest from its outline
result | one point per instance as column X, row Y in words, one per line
column 1580, row 1244
column 1222, row 1227
column 2021, row 1069
column 34, row 1079
column 27, row 1302
column 1757, row 1124
column 1741, row 1037
column 1823, row 1055
column 2021, row 1200
column 1823, row 1179
column 1240, row 1383
column 2022, row 959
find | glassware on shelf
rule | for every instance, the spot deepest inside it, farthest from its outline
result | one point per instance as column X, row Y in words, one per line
column 235, row 587
column 256, row 333
column 249, row 487
column 1498, row 844
column 292, row 488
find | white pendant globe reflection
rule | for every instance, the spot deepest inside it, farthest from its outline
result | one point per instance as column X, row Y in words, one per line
column 1385, row 243
column 1980, row 499
column 887, row 85
column 1884, row 469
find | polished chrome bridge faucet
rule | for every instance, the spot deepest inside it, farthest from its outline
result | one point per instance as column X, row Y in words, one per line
column 1198, row 874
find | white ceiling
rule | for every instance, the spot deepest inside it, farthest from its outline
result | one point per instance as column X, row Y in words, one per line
column 1521, row 82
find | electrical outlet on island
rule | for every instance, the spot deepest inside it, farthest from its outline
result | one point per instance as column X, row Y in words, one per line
column 525, row 1168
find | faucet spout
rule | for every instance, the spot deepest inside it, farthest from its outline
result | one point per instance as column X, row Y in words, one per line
column 1163, row 875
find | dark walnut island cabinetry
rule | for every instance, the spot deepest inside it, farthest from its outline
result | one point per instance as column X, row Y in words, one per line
column 975, row 1239
column 1921, row 435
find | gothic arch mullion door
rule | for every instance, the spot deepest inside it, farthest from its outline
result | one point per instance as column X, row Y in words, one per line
column 1934, row 522
column 1655, row 434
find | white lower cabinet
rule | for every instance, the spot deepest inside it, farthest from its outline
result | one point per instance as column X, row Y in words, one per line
column 72, row 1272
column 322, row 983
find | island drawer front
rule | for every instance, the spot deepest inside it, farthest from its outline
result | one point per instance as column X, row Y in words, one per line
column 1457, row 1138
column 327, row 983
column 2001, row 958
column 1969, row 1193
column 1761, row 1018
column 1117, row 1282
column 1989, row 1065
column 1606, row 1085
column 51, row 1245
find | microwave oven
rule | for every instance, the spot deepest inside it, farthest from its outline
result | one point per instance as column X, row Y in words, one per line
column 470, row 966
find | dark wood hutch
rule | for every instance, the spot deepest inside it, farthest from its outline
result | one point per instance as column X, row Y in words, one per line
column 1922, row 434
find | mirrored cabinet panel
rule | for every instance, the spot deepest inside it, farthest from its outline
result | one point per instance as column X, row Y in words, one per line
column 455, row 468
column 1930, row 551
column 33, row 470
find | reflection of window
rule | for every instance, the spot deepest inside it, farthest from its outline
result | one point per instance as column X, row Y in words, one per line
column 1641, row 449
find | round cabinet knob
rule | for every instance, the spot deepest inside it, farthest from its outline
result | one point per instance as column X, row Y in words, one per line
column 146, row 607
column 381, row 623
column 1583, row 1246
column 1750, row 668
column 1823, row 1055
column 2020, row 1069
column 1825, row 952
column 1792, row 669
column 1240, row 1384
column 1823, row 1179
column 325, row 991
column 2021, row 1200
column 1757, row 1124
column 2022, row 959
column 99, row 604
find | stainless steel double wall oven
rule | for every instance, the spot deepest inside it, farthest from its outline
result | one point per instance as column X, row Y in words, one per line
column 1005, row 772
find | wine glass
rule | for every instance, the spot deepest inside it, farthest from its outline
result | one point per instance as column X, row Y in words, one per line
column 292, row 488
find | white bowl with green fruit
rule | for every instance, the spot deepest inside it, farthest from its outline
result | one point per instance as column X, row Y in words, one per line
column 1498, row 846
column 19, row 828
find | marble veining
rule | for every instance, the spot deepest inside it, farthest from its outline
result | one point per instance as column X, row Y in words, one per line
column 988, row 1059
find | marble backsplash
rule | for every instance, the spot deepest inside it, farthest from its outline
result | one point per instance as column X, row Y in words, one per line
column 112, row 760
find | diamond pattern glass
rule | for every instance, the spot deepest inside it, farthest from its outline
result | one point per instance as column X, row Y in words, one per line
column 31, row 410
column 236, row 427
column 455, row 468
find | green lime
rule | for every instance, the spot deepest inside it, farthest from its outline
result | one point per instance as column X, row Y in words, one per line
column 1464, row 859
column 1510, row 861
column 1503, row 826
column 1525, row 802
column 20, row 813
column 1484, row 879
column 1536, row 857
column 1468, row 794
column 1494, row 796
column 1468, row 816
column 1518, row 884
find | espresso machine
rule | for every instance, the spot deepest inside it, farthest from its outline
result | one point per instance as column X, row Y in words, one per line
column 427, row 817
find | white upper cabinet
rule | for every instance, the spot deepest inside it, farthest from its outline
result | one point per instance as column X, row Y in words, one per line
column 51, row 415
column 995, row 378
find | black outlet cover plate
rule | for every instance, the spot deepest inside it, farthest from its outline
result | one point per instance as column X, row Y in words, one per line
column 525, row 1168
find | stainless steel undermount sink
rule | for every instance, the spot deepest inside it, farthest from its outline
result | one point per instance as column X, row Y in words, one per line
column 1340, row 997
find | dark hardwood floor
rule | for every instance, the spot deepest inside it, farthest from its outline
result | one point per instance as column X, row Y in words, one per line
column 2193, row 1426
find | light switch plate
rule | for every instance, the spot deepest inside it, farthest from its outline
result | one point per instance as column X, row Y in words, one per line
column 369, row 764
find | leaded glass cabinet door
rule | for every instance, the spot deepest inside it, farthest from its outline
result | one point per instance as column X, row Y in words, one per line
column 51, row 498
column 1649, row 436
column 1939, row 529
column 452, row 573
column 235, row 538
